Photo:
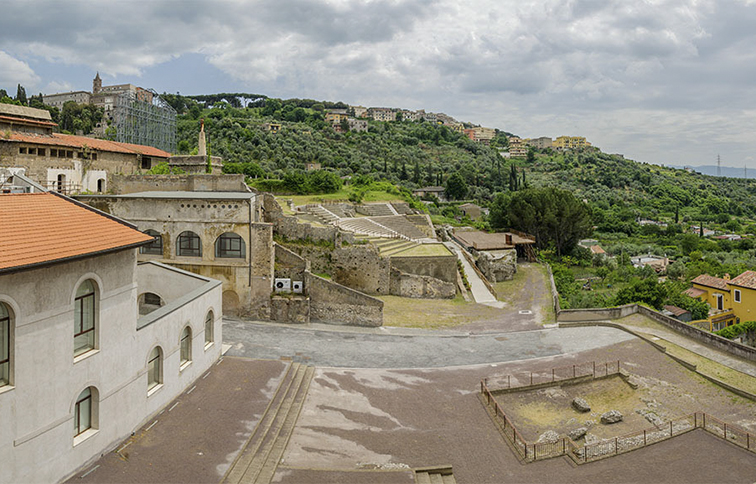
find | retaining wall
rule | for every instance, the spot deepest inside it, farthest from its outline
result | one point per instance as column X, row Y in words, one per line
column 596, row 314
column 414, row 286
column 439, row 267
column 123, row 184
column 336, row 304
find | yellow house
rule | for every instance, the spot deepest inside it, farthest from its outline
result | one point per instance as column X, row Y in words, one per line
column 743, row 290
column 570, row 143
column 731, row 300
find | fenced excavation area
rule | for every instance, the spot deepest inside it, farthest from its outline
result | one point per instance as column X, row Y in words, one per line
column 604, row 443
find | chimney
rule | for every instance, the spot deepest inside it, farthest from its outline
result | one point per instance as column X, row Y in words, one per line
column 726, row 277
column 509, row 239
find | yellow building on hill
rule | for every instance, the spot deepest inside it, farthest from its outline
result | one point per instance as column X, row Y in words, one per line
column 570, row 143
column 731, row 300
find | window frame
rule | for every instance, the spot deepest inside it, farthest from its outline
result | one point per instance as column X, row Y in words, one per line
column 152, row 247
column 209, row 329
column 6, row 329
column 185, row 347
column 153, row 385
column 224, row 249
column 185, row 242
column 79, row 324
column 737, row 296
column 77, row 412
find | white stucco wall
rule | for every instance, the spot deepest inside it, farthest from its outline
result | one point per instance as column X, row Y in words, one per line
column 37, row 437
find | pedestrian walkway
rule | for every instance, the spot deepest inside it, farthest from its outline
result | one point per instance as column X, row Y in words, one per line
column 478, row 288
column 721, row 357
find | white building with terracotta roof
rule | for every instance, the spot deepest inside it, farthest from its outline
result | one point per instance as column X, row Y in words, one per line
column 92, row 344
column 66, row 163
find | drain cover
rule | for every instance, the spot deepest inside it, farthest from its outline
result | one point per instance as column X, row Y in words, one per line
column 526, row 311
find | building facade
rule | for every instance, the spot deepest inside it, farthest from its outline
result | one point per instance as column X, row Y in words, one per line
column 80, row 368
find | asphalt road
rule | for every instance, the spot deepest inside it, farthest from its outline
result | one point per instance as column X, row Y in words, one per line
column 353, row 349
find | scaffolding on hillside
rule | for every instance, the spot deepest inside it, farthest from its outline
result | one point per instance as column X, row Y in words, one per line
column 140, row 122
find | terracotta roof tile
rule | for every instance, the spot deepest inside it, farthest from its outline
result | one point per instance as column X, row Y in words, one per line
column 28, row 121
column 711, row 281
column 596, row 249
column 694, row 292
column 675, row 310
column 72, row 141
column 39, row 228
column 746, row 279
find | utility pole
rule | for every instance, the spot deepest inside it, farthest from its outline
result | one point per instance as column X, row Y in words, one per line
column 719, row 166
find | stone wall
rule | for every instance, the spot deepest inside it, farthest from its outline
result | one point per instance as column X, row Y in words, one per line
column 499, row 265
column 414, row 286
column 336, row 304
column 123, row 184
column 290, row 228
column 438, row 267
column 294, row 310
column 596, row 314
column 289, row 264
column 361, row 268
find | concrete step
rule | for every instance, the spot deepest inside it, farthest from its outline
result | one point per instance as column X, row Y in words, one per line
column 258, row 460
column 398, row 249
column 265, row 458
column 422, row 478
column 243, row 460
column 434, row 475
column 449, row 479
column 436, row 479
column 280, row 443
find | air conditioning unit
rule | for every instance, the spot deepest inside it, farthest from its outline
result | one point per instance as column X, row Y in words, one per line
column 282, row 285
column 297, row 287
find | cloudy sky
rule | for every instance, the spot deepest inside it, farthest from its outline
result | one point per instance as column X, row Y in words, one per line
column 662, row 81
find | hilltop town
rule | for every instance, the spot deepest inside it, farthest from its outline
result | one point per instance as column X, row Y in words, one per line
column 266, row 290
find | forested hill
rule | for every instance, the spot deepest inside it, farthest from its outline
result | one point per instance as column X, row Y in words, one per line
column 415, row 154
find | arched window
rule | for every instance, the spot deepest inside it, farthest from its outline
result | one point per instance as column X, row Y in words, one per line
column 230, row 245
column 186, row 346
column 100, row 185
column 189, row 244
column 156, row 246
column 209, row 329
column 5, row 345
column 148, row 302
column 84, row 318
column 155, row 368
column 85, row 411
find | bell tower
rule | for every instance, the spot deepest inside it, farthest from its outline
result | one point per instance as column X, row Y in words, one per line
column 96, row 84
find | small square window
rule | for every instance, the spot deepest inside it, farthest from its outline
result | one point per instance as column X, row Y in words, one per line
column 22, row 151
column 53, row 153
column 41, row 152
column 32, row 151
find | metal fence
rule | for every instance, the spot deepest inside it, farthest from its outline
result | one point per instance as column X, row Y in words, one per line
column 561, row 374
column 531, row 452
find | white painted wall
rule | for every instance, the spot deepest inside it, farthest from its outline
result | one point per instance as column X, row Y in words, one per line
column 36, row 434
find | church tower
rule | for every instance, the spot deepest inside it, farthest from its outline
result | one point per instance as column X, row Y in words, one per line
column 96, row 84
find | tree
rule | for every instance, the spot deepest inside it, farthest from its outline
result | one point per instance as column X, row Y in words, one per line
column 456, row 187
column 21, row 94
column 416, row 174
column 531, row 156
column 554, row 216
column 646, row 291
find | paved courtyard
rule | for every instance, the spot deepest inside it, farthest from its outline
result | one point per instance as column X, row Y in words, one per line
column 358, row 422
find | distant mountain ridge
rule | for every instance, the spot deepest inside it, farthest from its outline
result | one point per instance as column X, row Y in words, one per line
column 727, row 171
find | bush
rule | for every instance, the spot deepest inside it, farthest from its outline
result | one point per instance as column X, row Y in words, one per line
column 731, row 332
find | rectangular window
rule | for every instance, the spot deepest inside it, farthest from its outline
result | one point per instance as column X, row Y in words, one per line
column 84, row 310
column 22, row 151
column 146, row 163
column 53, row 153
column 83, row 415
column 153, row 372
column 737, row 295
column 32, row 151
column 41, row 152
column 93, row 156
column 69, row 154
column 720, row 302
column 4, row 351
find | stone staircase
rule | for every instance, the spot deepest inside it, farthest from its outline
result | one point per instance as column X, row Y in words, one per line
column 367, row 226
column 258, row 460
column 378, row 209
column 434, row 475
column 388, row 247
column 400, row 225
column 322, row 213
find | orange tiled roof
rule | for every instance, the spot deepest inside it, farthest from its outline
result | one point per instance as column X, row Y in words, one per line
column 694, row 292
column 28, row 121
column 40, row 228
column 596, row 249
column 72, row 141
column 711, row 281
column 746, row 279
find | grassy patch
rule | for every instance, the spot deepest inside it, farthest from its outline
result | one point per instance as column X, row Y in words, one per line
column 343, row 195
column 432, row 313
column 426, row 250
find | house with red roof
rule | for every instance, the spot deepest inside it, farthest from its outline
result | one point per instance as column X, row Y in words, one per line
column 732, row 300
column 63, row 162
column 92, row 343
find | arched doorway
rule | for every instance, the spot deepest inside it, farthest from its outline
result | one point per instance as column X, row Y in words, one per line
column 230, row 303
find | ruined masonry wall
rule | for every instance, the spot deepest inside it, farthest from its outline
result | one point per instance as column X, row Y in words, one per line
column 333, row 303
column 410, row 285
